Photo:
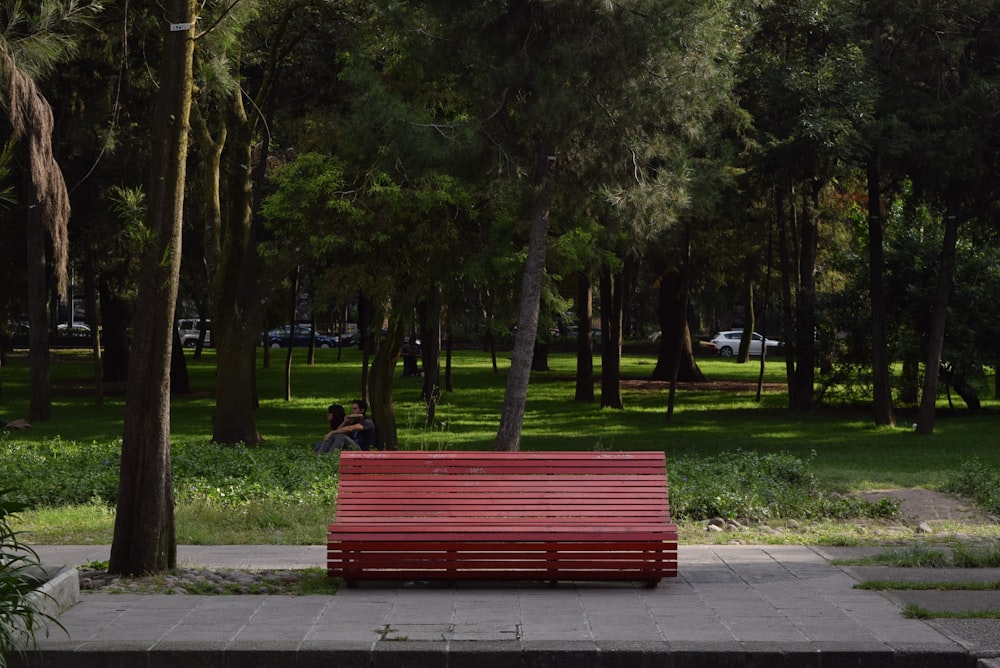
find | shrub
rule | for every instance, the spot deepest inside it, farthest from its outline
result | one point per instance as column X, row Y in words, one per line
column 757, row 487
column 19, row 612
column 978, row 482
column 69, row 473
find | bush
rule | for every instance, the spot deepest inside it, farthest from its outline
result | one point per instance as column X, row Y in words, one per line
column 57, row 473
column 19, row 613
column 978, row 482
column 757, row 487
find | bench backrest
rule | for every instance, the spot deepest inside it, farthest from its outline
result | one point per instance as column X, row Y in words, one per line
column 613, row 488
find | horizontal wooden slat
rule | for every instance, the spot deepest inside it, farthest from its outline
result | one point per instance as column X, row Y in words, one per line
column 561, row 515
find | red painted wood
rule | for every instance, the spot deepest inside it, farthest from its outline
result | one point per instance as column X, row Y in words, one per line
column 472, row 515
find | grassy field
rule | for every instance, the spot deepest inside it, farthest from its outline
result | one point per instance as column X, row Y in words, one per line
column 841, row 447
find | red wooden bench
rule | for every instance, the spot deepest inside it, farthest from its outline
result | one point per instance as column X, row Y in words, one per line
column 502, row 515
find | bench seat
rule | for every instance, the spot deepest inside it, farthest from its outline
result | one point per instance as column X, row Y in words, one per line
column 501, row 515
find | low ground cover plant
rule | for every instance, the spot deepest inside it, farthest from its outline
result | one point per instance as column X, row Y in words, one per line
column 759, row 487
column 20, row 613
column 979, row 482
column 728, row 455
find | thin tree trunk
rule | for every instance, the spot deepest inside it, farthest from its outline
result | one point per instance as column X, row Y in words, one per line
column 584, row 339
column 935, row 342
column 144, row 536
column 805, row 303
column 40, row 405
column 881, row 386
column 430, row 352
column 748, row 327
column 291, row 333
column 611, row 338
column 90, row 290
column 516, row 392
column 767, row 308
column 788, row 320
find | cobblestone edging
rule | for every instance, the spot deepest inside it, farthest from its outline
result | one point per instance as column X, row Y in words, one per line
column 193, row 581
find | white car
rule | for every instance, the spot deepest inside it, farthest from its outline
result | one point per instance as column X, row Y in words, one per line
column 189, row 329
column 727, row 344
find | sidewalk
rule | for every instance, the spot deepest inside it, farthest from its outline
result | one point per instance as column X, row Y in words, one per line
column 730, row 606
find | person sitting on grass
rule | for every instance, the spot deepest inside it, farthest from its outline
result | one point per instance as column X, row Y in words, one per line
column 356, row 432
column 335, row 415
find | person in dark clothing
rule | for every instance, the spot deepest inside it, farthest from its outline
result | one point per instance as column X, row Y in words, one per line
column 335, row 415
column 356, row 432
column 411, row 356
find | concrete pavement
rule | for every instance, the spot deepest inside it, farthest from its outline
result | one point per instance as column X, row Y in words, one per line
column 730, row 606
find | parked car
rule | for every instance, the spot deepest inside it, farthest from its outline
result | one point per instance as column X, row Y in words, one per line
column 76, row 329
column 188, row 328
column 282, row 337
column 727, row 344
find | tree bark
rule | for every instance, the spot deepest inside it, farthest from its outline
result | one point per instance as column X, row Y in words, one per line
column 612, row 286
column 881, row 386
column 40, row 405
column 584, row 339
column 748, row 327
column 935, row 341
column 240, row 306
column 805, row 303
column 516, row 392
column 381, row 380
column 430, row 352
column 673, row 324
column 787, row 317
column 144, row 536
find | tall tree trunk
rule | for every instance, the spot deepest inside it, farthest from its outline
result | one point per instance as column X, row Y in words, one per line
column 430, row 351
column 294, row 289
column 767, row 307
column 381, row 378
column 90, row 290
column 584, row 338
column 612, row 287
column 675, row 350
column 909, row 380
column 748, row 327
column 805, row 302
column 32, row 121
column 935, row 341
column 881, row 386
column 180, row 382
column 680, row 327
column 144, row 536
column 40, row 406
column 787, row 317
column 235, row 359
column 516, row 392
column 239, row 307
column 115, row 316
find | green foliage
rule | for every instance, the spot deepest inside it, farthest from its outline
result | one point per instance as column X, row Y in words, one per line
column 57, row 472
column 66, row 473
column 755, row 487
column 914, row 611
column 279, row 492
column 964, row 555
column 978, row 482
column 911, row 556
column 19, row 612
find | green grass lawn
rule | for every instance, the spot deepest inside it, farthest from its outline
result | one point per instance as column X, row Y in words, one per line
column 841, row 447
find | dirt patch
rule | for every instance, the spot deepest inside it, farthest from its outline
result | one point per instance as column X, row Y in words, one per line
column 923, row 505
